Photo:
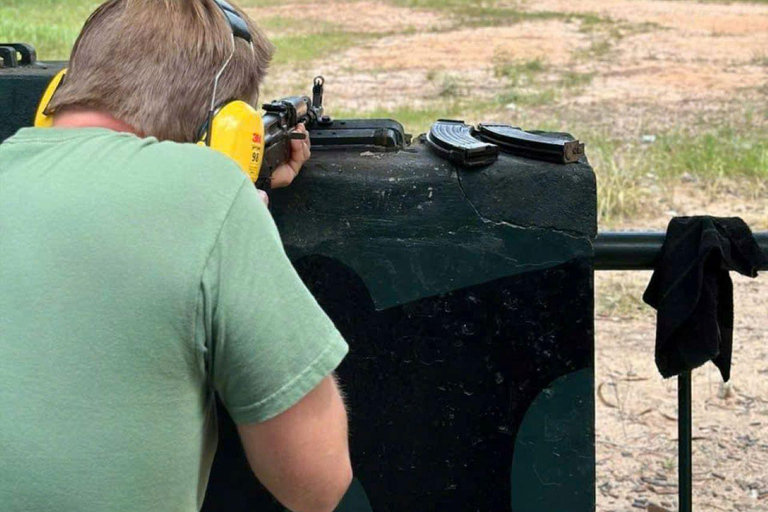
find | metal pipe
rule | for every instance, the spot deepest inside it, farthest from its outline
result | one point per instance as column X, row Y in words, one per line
column 684, row 445
column 640, row 251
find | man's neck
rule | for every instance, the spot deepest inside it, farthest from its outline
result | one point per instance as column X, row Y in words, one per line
column 91, row 119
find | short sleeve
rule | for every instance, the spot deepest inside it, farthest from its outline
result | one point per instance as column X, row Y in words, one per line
column 269, row 341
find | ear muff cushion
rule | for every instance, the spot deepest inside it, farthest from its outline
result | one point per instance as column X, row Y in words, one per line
column 237, row 130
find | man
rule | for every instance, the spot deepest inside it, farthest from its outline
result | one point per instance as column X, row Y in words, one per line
column 140, row 273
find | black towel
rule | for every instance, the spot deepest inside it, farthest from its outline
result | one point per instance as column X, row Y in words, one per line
column 692, row 291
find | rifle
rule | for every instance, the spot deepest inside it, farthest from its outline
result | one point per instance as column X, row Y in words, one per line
column 280, row 120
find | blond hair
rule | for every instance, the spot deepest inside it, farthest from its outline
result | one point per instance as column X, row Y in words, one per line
column 151, row 64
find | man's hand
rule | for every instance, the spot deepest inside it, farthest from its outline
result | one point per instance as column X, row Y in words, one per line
column 300, row 153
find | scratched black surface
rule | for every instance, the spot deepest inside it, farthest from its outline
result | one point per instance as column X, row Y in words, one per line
column 438, row 388
column 412, row 225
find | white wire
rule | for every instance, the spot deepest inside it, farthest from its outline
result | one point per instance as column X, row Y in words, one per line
column 221, row 72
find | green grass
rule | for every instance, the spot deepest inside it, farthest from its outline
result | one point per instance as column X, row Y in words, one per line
column 627, row 170
column 52, row 27
column 529, row 98
column 621, row 192
column 418, row 119
column 722, row 153
column 522, row 82
column 293, row 49
column 575, row 79
column 49, row 25
column 471, row 13
column 621, row 295
column 517, row 70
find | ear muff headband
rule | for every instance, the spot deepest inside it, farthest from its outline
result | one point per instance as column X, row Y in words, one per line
column 239, row 28
column 235, row 128
column 238, row 24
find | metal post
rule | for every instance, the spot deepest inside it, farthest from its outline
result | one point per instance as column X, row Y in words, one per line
column 684, row 437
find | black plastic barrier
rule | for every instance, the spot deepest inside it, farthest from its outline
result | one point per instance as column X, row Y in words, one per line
column 467, row 301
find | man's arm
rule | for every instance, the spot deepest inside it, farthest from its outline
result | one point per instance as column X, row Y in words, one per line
column 272, row 353
column 302, row 455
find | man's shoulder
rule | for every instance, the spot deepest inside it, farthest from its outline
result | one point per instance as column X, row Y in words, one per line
column 194, row 162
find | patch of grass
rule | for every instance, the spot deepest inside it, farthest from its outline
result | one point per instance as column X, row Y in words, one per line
column 477, row 16
column 620, row 190
column 640, row 28
column 529, row 98
column 51, row 26
column 296, row 43
column 629, row 173
column 450, row 87
column 518, row 72
column 604, row 33
column 470, row 13
column 619, row 294
column 759, row 60
column 575, row 79
column 297, row 48
column 599, row 48
column 277, row 24
column 590, row 22
column 418, row 119
column 669, row 465
column 722, row 153
column 523, row 87
column 516, row 69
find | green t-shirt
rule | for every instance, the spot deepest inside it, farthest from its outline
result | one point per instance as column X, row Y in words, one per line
column 136, row 277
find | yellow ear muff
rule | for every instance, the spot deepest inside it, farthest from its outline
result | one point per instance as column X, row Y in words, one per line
column 237, row 131
column 42, row 120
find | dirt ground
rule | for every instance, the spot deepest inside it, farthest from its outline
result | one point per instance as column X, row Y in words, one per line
column 651, row 65
column 653, row 53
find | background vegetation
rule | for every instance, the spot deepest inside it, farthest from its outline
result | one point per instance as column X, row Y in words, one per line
column 634, row 167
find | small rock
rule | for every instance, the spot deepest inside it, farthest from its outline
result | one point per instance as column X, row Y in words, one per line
column 687, row 178
column 648, row 139
column 510, row 106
